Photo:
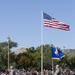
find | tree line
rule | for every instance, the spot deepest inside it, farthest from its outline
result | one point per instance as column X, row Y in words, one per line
column 32, row 58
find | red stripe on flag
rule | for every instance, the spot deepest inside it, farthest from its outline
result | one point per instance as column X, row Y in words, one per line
column 56, row 24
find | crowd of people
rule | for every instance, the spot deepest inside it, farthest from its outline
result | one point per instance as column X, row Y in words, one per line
column 57, row 71
column 13, row 71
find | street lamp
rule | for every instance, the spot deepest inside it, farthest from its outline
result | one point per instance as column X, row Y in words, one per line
column 8, row 50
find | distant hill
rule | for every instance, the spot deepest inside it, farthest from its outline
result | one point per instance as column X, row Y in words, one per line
column 21, row 50
column 66, row 51
column 69, row 51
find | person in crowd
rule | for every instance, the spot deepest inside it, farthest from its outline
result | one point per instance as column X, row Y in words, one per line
column 12, row 71
column 73, row 71
column 57, row 70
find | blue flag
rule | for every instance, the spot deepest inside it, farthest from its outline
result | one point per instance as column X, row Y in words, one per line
column 57, row 54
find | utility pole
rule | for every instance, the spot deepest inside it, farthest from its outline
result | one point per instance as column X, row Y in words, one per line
column 8, row 50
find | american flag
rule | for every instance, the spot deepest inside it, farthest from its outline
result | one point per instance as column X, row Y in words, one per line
column 53, row 23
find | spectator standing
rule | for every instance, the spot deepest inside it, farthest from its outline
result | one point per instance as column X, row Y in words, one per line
column 12, row 71
column 57, row 70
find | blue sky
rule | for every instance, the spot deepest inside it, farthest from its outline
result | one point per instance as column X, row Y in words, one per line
column 21, row 19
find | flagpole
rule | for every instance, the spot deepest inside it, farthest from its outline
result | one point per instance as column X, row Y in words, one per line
column 52, row 59
column 41, row 43
column 52, row 65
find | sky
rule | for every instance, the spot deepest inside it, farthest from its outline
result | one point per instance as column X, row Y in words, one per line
column 22, row 21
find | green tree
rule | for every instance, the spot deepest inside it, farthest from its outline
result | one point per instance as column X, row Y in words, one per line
column 47, row 56
column 4, row 52
column 24, row 60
